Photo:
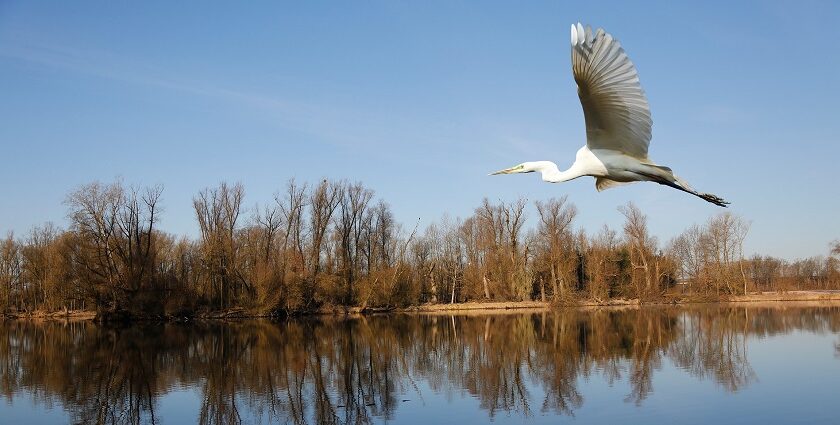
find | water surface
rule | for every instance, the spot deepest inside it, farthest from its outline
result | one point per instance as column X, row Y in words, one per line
column 650, row 365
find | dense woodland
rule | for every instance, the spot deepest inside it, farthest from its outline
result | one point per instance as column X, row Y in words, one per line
column 334, row 244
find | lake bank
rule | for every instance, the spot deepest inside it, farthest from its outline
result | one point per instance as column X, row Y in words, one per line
column 792, row 298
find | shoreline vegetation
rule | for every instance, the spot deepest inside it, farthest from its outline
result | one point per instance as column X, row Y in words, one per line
column 764, row 299
column 333, row 247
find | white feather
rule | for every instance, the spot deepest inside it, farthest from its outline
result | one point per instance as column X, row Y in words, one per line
column 618, row 123
column 614, row 105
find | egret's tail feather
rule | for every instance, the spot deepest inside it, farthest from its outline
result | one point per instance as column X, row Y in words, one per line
column 708, row 197
column 717, row 200
column 670, row 179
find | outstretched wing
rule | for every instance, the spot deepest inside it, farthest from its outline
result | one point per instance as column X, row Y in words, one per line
column 614, row 105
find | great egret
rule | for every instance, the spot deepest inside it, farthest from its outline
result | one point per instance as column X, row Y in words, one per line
column 618, row 123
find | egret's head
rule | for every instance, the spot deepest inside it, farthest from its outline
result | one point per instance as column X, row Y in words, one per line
column 525, row 167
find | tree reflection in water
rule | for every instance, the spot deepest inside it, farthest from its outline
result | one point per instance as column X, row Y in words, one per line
column 358, row 370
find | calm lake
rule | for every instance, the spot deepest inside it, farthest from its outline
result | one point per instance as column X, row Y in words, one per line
column 710, row 364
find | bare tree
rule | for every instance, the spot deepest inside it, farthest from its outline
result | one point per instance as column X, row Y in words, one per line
column 40, row 265
column 689, row 249
column 556, row 241
column 453, row 260
column 502, row 258
column 10, row 272
column 602, row 264
column 726, row 233
column 218, row 211
column 115, row 229
column 644, row 276
column 323, row 201
column 764, row 271
column 292, row 265
column 514, row 217
column 335, row 244
column 264, row 271
column 352, row 208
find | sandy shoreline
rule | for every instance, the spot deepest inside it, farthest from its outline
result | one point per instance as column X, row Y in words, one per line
column 768, row 299
column 789, row 299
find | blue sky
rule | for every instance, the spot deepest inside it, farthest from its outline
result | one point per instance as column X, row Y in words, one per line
column 420, row 100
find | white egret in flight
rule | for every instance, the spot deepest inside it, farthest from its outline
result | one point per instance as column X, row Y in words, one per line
column 618, row 123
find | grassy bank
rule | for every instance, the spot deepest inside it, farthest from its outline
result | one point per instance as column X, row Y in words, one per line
column 53, row 315
column 787, row 298
column 792, row 298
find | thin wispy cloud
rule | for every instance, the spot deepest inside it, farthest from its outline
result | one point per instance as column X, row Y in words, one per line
column 328, row 124
column 362, row 129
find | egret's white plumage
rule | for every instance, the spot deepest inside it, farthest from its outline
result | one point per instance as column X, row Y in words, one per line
column 618, row 123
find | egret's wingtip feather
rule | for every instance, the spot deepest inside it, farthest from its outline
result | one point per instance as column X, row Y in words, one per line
column 614, row 104
column 574, row 35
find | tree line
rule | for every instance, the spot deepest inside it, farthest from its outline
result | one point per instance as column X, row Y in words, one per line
column 333, row 243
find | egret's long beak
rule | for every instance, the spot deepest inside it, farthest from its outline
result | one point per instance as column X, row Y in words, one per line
column 510, row 170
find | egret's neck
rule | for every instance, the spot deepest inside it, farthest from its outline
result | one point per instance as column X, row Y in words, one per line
column 552, row 174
